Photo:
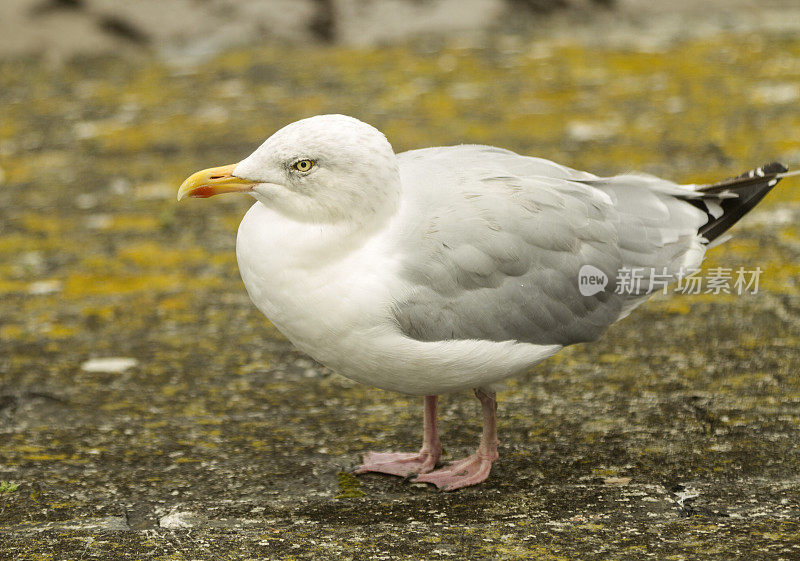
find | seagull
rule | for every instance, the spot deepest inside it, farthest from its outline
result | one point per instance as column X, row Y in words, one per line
column 450, row 268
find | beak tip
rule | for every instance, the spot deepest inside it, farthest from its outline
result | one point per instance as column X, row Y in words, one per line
column 213, row 181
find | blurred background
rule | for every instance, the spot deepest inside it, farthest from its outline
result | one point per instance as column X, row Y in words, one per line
column 137, row 379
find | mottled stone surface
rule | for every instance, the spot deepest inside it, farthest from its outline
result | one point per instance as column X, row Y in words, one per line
column 209, row 437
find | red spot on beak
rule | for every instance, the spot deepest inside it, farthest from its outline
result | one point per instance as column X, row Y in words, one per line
column 203, row 192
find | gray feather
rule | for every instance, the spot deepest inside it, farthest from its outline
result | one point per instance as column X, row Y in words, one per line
column 499, row 257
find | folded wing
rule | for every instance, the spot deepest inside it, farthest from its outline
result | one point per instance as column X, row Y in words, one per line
column 500, row 258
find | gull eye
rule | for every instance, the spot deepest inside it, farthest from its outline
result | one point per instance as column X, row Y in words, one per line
column 303, row 165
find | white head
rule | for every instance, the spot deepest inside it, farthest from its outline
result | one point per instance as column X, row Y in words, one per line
column 328, row 168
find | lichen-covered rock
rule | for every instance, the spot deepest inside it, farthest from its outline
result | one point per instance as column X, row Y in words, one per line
column 675, row 436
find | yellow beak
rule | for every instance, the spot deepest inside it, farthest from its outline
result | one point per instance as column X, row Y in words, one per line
column 214, row 181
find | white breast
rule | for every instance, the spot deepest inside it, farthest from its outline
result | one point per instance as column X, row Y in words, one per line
column 308, row 279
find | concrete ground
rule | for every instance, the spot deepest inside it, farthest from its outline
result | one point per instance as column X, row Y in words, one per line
column 147, row 411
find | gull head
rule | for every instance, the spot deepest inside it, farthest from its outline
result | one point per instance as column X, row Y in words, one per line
column 327, row 168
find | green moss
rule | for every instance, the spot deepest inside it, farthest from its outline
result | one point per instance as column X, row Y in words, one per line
column 7, row 487
column 349, row 486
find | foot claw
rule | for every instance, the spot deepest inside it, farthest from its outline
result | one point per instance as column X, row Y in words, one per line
column 395, row 463
column 469, row 471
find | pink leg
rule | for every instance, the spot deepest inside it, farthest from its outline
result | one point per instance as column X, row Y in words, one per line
column 405, row 464
column 475, row 468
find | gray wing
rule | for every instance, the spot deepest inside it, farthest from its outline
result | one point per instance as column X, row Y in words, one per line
column 500, row 250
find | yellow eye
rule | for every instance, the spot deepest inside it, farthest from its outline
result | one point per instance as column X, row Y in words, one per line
column 303, row 165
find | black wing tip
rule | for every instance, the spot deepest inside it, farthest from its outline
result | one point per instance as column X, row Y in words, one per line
column 750, row 188
column 776, row 167
column 772, row 168
column 770, row 172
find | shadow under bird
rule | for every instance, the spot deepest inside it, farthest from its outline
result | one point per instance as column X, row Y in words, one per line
column 450, row 268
